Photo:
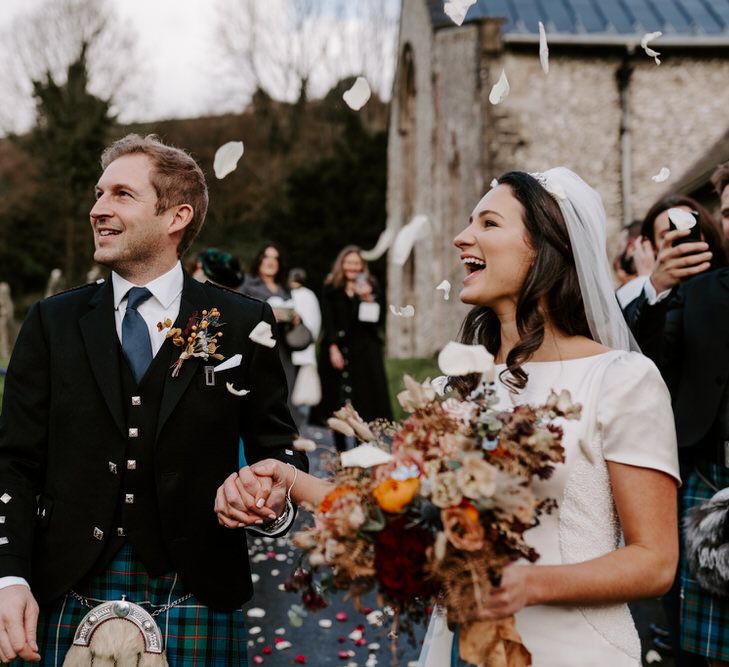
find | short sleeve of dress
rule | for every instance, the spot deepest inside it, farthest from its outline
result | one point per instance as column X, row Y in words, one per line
column 635, row 417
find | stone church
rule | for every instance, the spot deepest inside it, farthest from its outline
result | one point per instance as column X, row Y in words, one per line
column 605, row 110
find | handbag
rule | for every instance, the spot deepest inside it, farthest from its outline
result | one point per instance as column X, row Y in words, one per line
column 706, row 535
column 298, row 337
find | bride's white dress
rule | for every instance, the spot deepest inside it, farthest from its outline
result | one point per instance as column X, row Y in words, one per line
column 626, row 418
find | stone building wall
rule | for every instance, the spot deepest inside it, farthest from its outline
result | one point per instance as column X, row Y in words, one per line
column 570, row 117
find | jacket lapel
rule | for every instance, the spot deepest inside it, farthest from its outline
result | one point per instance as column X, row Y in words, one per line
column 102, row 347
column 193, row 299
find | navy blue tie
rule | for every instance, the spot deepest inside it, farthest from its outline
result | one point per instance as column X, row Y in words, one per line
column 136, row 345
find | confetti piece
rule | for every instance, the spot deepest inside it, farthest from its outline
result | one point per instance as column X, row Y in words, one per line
column 236, row 392
column 262, row 335
column 649, row 37
column 456, row 10
column 257, row 660
column 405, row 311
column 255, row 578
column 445, row 287
column 256, row 629
column 256, row 612
column 355, row 635
column 300, row 660
column 358, row 95
column 275, row 572
column 226, row 158
column 325, row 623
column 543, row 49
column 662, row 175
column 279, row 631
column 283, row 645
column 267, row 650
column 500, row 91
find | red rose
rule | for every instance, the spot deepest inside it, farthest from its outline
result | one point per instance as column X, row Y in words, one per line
column 400, row 558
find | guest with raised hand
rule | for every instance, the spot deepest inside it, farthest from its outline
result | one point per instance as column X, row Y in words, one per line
column 351, row 361
column 681, row 322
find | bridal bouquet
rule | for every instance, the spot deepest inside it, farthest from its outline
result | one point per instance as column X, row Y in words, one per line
column 432, row 509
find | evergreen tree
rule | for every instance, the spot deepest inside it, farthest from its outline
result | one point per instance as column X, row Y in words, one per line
column 69, row 136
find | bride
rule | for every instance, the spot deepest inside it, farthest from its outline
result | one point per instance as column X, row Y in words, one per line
column 538, row 278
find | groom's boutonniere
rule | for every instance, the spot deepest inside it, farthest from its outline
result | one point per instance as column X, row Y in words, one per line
column 197, row 338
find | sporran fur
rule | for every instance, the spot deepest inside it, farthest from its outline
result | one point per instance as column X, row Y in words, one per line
column 706, row 535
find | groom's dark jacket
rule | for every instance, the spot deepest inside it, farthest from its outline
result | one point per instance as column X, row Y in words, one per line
column 687, row 336
column 88, row 458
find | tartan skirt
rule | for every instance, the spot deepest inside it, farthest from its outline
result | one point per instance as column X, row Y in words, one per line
column 704, row 617
column 194, row 635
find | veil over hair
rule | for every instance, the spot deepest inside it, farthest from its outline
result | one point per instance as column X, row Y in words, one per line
column 584, row 215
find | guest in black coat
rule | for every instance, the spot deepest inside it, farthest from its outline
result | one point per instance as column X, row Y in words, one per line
column 351, row 362
column 681, row 321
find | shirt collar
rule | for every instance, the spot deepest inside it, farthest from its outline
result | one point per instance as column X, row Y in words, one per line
column 166, row 288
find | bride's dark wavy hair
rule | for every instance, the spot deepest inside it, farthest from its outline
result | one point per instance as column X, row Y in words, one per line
column 551, row 288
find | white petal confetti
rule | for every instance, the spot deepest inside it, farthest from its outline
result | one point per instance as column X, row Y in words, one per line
column 387, row 236
column 681, row 218
column 543, row 48
column 275, row 573
column 236, row 392
column 662, row 175
column 364, row 456
column 456, row 10
column 356, row 97
column 459, row 359
column 255, row 578
column 374, row 646
column 355, row 635
column 280, row 646
column 494, row 182
column 6, row 498
column 325, row 623
column 279, row 631
column 445, row 286
column 405, row 311
column 375, row 617
column 500, row 90
column 304, row 445
column 653, row 656
column 256, row 629
column 649, row 37
column 256, row 612
column 262, row 334
column 416, row 230
column 226, row 158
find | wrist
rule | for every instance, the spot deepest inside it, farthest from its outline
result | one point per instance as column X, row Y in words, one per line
column 535, row 594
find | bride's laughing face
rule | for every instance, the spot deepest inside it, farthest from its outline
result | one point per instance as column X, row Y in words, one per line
column 495, row 251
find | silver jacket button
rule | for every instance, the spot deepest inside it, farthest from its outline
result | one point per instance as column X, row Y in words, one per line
column 98, row 533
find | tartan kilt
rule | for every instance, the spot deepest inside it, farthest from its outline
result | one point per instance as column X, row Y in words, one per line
column 193, row 635
column 704, row 617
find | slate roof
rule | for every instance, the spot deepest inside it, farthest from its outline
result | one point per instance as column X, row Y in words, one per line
column 592, row 18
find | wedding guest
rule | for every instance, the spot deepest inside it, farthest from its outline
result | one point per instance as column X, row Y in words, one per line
column 720, row 180
column 351, row 354
column 267, row 281
column 219, row 267
column 633, row 263
column 681, row 321
column 307, row 388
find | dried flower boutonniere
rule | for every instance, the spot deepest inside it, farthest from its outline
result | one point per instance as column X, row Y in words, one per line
column 196, row 338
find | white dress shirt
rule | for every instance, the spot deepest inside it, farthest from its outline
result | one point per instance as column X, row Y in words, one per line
column 163, row 304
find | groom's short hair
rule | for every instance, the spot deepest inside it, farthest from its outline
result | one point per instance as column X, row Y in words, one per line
column 175, row 176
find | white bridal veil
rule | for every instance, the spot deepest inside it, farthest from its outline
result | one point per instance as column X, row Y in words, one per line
column 585, row 217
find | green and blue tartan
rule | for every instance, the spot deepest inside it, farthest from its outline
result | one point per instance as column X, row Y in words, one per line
column 194, row 635
column 704, row 617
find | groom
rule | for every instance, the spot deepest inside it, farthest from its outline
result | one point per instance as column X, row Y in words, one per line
column 110, row 463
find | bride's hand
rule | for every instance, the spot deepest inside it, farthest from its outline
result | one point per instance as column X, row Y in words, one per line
column 511, row 595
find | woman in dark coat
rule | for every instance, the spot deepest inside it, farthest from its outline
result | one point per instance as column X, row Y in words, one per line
column 351, row 366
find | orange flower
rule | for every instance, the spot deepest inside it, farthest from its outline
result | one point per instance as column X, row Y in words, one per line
column 393, row 494
column 462, row 527
column 326, row 504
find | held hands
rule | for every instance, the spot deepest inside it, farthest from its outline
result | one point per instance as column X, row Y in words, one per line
column 251, row 496
column 673, row 264
column 18, row 622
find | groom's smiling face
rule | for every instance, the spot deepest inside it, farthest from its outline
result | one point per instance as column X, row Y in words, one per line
column 128, row 231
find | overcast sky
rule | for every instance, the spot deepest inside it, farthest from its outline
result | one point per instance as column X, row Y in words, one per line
column 176, row 45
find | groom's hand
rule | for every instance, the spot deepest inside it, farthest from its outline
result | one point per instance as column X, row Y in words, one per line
column 242, row 500
column 274, row 473
column 18, row 621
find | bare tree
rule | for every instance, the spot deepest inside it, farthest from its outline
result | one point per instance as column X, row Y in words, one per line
column 293, row 49
column 45, row 41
